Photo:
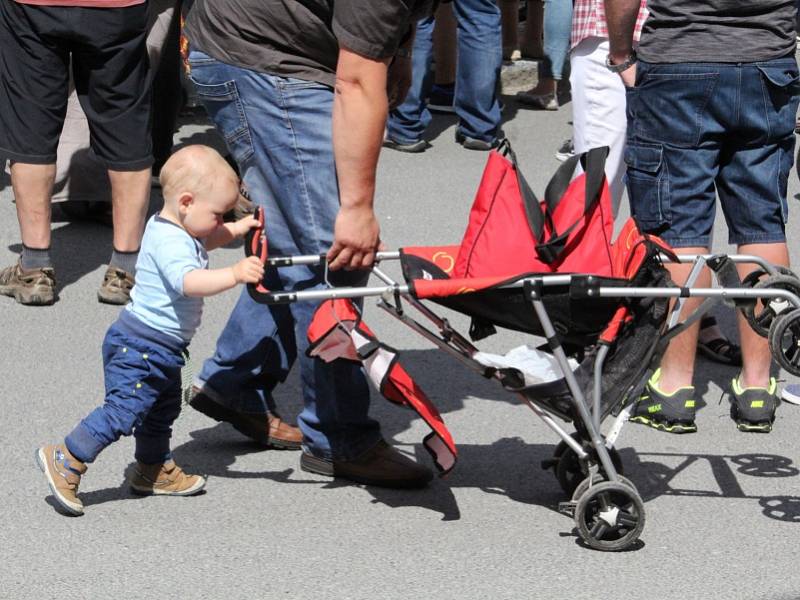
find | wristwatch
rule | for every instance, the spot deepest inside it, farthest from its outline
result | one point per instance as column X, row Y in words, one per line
column 623, row 66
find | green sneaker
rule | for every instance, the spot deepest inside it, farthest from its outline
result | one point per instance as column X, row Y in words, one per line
column 673, row 413
column 753, row 408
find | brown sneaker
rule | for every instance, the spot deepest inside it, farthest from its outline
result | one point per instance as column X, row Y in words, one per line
column 164, row 479
column 63, row 472
column 381, row 466
column 267, row 429
column 116, row 287
column 36, row 287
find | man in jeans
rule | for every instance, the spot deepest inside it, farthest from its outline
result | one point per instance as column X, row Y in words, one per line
column 478, row 68
column 299, row 92
column 103, row 43
column 711, row 113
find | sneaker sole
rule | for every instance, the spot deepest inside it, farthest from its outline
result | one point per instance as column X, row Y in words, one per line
column 192, row 491
column 29, row 298
column 413, row 148
column 319, row 466
column 754, row 427
column 113, row 299
column 442, row 108
column 676, row 428
column 72, row 508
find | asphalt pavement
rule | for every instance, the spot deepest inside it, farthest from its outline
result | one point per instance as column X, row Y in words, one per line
column 722, row 507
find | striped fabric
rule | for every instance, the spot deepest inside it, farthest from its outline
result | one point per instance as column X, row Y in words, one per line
column 589, row 20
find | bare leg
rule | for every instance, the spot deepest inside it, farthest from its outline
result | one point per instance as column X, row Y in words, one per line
column 130, row 197
column 677, row 365
column 33, row 189
column 756, row 357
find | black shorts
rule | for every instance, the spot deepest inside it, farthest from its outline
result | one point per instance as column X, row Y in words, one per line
column 105, row 47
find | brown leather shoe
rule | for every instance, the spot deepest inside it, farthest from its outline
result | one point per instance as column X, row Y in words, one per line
column 36, row 287
column 381, row 465
column 267, row 429
column 116, row 287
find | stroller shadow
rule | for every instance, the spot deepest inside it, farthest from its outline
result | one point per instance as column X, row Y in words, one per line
column 508, row 467
column 654, row 479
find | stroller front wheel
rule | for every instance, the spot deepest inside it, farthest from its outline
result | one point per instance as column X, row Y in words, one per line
column 610, row 516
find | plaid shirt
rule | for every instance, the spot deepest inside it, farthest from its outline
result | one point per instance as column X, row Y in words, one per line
column 589, row 20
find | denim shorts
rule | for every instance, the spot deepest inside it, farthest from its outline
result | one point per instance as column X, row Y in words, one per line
column 701, row 130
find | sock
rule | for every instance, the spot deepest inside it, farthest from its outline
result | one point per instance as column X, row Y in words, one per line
column 35, row 258
column 124, row 260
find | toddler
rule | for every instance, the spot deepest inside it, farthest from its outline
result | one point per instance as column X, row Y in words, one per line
column 145, row 348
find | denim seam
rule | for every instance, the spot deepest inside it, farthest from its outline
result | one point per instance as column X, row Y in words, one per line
column 305, row 195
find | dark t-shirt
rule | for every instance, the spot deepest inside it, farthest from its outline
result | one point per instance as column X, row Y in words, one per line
column 299, row 38
column 718, row 30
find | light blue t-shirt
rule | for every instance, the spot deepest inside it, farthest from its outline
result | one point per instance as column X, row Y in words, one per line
column 168, row 252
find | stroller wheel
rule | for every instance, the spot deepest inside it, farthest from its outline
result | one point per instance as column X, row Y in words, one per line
column 784, row 341
column 610, row 516
column 569, row 470
column 760, row 315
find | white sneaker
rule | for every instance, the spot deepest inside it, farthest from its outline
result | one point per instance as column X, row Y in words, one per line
column 791, row 393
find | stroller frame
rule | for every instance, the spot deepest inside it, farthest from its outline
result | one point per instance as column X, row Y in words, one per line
column 602, row 494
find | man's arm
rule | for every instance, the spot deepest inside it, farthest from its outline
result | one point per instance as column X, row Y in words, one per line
column 360, row 107
column 621, row 19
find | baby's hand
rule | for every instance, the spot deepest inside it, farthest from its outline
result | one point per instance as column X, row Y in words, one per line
column 242, row 226
column 248, row 270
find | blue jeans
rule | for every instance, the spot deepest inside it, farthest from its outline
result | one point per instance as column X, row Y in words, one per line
column 143, row 396
column 279, row 132
column 557, row 28
column 480, row 56
column 699, row 130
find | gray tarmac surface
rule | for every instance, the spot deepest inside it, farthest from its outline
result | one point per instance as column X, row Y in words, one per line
column 723, row 511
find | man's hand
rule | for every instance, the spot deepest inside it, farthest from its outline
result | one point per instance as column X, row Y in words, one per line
column 242, row 226
column 628, row 76
column 356, row 239
column 398, row 80
column 248, row 270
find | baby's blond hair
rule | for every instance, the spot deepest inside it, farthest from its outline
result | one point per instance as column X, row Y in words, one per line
column 195, row 169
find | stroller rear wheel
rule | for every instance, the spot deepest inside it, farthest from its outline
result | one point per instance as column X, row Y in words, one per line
column 610, row 516
column 784, row 341
column 760, row 315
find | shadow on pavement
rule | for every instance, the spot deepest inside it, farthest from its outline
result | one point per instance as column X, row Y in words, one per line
column 653, row 479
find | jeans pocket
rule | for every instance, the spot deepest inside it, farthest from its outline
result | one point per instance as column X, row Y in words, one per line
column 224, row 106
column 780, row 84
column 648, row 185
column 670, row 106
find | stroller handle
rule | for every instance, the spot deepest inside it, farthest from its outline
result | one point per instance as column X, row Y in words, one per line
column 318, row 259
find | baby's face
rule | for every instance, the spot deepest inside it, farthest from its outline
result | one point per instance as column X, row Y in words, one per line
column 205, row 212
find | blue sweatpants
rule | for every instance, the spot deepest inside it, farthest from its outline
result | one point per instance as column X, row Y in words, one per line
column 143, row 397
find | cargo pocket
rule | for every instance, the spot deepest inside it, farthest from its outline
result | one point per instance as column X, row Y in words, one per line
column 648, row 185
column 224, row 106
column 780, row 85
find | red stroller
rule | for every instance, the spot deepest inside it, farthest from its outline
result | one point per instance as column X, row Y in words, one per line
column 549, row 269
